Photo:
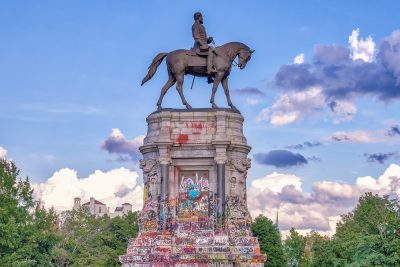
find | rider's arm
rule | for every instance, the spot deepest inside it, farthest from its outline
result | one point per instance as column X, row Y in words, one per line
column 196, row 35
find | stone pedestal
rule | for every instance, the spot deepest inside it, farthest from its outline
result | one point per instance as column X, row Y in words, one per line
column 195, row 212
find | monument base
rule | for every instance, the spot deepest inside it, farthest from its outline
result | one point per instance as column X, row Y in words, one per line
column 194, row 172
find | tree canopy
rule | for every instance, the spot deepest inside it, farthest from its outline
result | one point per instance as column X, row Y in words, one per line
column 270, row 241
column 86, row 240
column 367, row 236
column 27, row 231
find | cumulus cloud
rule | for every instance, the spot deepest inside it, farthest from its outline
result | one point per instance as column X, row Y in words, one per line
column 280, row 158
column 118, row 144
column 363, row 49
column 340, row 77
column 306, row 144
column 299, row 59
column 341, row 74
column 319, row 209
column 3, row 152
column 354, row 137
column 292, row 106
column 379, row 157
column 112, row 188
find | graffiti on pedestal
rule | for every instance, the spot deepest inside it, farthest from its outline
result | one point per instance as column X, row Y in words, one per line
column 193, row 194
column 147, row 218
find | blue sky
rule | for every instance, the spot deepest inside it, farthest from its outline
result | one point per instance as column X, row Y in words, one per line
column 70, row 72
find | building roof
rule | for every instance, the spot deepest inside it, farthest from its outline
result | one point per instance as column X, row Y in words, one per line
column 127, row 204
column 95, row 202
column 119, row 209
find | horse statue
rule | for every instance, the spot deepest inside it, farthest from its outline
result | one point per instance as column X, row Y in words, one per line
column 181, row 62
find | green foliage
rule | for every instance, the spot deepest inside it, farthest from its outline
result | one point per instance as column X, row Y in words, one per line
column 321, row 251
column 370, row 235
column 270, row 241
column 294, row 246
column 367, row 236
column 87, row 240
column 27, row 231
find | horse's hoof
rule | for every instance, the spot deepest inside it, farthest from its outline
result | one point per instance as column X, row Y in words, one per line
column 233, row 107
column 188, row 106
column 159, row 108
column 214, row 106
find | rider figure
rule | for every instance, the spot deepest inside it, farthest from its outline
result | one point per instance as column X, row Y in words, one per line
column 202, row 41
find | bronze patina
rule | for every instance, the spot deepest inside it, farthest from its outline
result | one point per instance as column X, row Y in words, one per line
column 194, row 62
column 201, row 41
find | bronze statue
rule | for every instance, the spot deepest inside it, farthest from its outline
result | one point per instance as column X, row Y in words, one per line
column 201, row 41
column 181, row 62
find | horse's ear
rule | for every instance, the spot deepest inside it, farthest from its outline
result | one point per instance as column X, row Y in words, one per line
column 252, row 51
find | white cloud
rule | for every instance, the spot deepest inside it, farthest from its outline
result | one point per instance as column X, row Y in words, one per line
column 112, row 188
column 276, row 181
column 3, row 152
column 334, row 190
column 363, row 49
column 354, row 137
column 299, row 59
column 293, row 106
column 319, row 209
column 343, row 110
column 387, row 183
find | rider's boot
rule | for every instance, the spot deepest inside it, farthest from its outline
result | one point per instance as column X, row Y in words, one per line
column 210, row 57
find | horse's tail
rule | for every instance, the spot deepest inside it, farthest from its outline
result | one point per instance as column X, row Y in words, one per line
column 153, row 67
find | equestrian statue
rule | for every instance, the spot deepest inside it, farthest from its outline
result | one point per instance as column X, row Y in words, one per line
column 202, row 60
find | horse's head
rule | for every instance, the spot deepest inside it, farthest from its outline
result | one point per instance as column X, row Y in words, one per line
column 244, row 57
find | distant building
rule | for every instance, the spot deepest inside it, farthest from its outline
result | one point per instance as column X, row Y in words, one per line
column 98, row 208
column 121, row 211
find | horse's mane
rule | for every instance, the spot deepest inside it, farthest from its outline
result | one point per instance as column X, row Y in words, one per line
column 233, row 47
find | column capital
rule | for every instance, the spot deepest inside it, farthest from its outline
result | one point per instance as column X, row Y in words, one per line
column 164, row 151
column 220, row 151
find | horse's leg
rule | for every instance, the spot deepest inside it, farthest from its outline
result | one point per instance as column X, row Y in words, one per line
column 226, row 90
column 168, row 84
column 217, row 80
column 179, row 88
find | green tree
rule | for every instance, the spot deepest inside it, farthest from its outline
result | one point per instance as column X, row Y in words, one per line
column 122, row 229
column 270, row 241
column 294, row 246
column 27, row 231
column 322, row 253
column 87, row 240
column 369, row 235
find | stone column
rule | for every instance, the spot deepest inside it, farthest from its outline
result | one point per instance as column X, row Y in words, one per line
column 165, row 160
column 220, row 159
column 220, row 189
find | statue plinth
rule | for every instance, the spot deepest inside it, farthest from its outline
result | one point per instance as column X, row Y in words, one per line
column 195, row 205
